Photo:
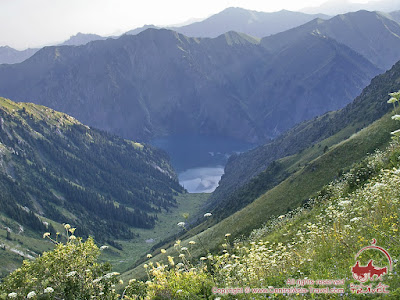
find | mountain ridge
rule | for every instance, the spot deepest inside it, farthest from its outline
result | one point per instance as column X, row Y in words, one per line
column 109, row 78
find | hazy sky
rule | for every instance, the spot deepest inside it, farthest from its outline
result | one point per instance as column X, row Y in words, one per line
column 33, row 23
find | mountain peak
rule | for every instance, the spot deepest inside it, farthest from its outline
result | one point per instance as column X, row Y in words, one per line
column 234, row 37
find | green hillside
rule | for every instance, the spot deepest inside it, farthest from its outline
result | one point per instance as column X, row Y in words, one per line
column 55, row 170
column 338, row 203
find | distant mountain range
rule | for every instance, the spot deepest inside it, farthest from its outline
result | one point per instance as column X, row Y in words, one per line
column 334, row 7
column 9, row 55
column 82, row 39
column 160, row 82
column 372, row 34
column 254, row 23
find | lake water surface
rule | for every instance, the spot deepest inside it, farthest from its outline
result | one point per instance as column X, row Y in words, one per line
column 200, row 160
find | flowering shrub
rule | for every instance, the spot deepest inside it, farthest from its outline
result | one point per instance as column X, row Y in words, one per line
column 70, row 271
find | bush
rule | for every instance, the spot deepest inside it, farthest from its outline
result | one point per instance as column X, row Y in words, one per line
column 70, row 271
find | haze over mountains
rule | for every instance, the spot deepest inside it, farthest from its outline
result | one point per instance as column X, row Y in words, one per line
column 9, row 55
column 334, row 7
column 258, row 24
column 254, row 23
column 372, row 34
column 160, row 82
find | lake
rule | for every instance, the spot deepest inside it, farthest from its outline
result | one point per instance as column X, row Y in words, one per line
column 200, row 160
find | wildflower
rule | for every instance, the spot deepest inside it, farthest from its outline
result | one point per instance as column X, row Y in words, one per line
column 67, row 226
column 192, row 242
column 355, row 219
column 179, row 291
column 344, row 203
column 227, row 235
column 109, row 275
column 72, row 230
column 171, row 260
column 12, row 295
column 121, row 281
column 163, row 251
column 181, row 255
column 132, row 281
column 281, row 216
column 145, row 266
column 71, row 274
column 72, row 237
column 48, row 290
column 203, row 258
column 184, row 249
column 181, row 224
column 31, row 295
column 396, row 132
column 149, row 256
column 206, row 215
column 103, row 247
column 46, row 234
column 396, row 117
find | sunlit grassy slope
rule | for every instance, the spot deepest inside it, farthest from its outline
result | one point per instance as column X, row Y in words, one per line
column 316, row 170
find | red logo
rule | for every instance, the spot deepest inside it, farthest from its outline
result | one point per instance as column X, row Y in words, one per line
column 363, row 273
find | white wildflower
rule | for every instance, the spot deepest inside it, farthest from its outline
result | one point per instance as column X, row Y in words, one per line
column 396, row 132
column 31, row 295
column 48, row 290
column 344, row 202
column 12, row 295
column 355, row 219
column 181, row 224
column 206, row 215
column 71, row 274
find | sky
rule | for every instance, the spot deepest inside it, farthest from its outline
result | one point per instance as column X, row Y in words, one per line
column 35, row 23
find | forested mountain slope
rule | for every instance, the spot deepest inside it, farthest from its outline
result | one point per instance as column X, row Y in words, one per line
column 54, row 167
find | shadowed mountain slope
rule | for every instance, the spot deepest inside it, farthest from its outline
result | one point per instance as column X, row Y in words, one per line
column 160, row 82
